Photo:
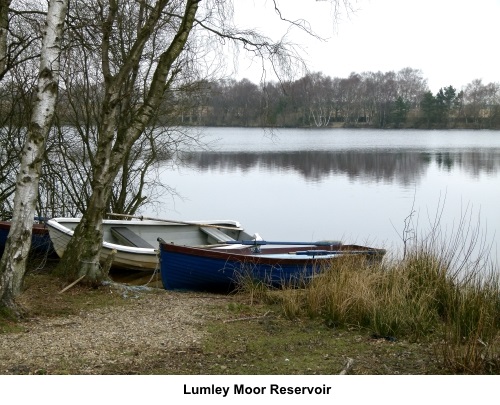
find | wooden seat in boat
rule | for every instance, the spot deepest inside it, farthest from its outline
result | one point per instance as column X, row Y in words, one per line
column 217, row 234
column 127, row 237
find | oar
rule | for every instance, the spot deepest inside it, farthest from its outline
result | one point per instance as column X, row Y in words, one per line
column 315, row 252
column 234, row 228
column 266, row 242
column 334, row 252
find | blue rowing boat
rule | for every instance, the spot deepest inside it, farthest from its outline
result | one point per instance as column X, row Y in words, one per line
column 277, row 264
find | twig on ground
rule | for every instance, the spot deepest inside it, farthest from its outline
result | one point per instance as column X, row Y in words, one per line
column 347, row 367
column 248, row 318
column 71, row 285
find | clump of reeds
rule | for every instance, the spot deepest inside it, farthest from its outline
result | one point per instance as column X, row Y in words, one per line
column 471, row 327
column 246, row 283
column 442, row 290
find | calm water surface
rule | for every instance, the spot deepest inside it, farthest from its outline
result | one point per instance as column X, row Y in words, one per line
column 356, row 185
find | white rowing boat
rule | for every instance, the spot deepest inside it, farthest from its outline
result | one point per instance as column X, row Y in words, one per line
column 136, row 241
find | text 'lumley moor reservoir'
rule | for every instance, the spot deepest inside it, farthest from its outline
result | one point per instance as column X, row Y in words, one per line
column 241, row 389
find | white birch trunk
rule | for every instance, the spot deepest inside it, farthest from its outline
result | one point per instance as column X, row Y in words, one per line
column 13, row 263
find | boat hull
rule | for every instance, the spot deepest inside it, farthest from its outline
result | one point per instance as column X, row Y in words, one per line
column 222, row 270
column 124, row 257
column 40, row 239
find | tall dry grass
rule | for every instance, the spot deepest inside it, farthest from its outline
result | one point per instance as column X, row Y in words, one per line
column 444, row 290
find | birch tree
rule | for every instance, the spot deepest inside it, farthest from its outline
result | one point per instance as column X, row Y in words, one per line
column 13, row 263
column 117, row 133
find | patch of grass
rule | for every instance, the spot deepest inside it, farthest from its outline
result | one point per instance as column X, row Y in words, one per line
column 275, row 345
column 41, row 297
column 8, row 321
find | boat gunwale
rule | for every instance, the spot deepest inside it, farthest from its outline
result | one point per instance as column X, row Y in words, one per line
column 222, row 222
column 247, row 257
column 58, row 224
column 39, row 229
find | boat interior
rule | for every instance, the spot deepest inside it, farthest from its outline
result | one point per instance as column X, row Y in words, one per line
column 145, row 234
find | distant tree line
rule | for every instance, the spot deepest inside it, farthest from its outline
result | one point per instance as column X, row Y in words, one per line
column 371, row 99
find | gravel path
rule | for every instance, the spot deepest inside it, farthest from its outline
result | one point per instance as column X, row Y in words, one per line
column 112, row 340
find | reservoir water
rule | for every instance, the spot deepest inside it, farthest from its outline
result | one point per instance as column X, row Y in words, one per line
column 355, row 185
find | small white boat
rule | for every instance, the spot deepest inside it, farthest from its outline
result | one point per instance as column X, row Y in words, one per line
column 136, row 241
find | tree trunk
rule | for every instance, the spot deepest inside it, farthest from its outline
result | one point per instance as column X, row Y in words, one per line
column 81, row 256
column 4, row 29
column 13, row 263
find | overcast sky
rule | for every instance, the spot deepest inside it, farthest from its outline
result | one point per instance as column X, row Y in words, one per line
column 452, row 41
